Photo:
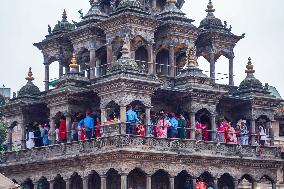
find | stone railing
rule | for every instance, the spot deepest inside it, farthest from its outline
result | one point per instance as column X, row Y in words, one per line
column 141, row 144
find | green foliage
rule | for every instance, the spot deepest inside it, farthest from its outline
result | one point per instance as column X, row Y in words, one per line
column 3, row 133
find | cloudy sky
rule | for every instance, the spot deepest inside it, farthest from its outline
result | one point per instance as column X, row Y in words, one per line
column 25, row 22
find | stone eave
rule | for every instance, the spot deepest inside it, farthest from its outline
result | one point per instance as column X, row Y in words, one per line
column 220, row 35
column 54, row 40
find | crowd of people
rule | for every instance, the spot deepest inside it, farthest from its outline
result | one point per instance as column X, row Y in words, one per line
column 162, row 125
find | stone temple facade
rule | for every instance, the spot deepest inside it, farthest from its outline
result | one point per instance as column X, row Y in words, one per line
column 143, row 51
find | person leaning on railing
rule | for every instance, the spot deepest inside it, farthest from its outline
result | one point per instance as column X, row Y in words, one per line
column 131, row 119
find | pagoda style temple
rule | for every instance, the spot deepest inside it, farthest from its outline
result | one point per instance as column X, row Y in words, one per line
column 141, row 52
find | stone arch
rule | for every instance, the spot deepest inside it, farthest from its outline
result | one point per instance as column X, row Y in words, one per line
column 94, row 180
column 112, row 110
column 141, row 57
column 136, row 179
column 207, row 178
column 267, row 181
column 28, row 184
column 246, row 180
column 160, row 179
column 203, row 117
column 83, row 58
column 42, row 183
column 59, row 182
column 183, row 180
column 113, row 179
column 226, row 180
column 162, row 61
column 137, row 42
column 180, row 56
column 76, row 181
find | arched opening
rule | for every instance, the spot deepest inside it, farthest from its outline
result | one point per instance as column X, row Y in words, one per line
column 206, row 179
column 222, row 70
column 59, row 183
column 60, row 127
column 181, row 60
column 161, row 4
column 84, row 60
column 203, row 125
column 94, row 180
column 53, row 74
column 204, row 65
column 112, row 111
column 262, row 129
column 183, row 181
column 101, row 61
column 226, row 181
column 76, row 181
column 141, row 57
column 160, row 180
column 136, row 179
column 42, row 183
column 136, row 126
column 113, row 180
column 28, row 184
column 162, row 62
column 246, row 181
column 266, row 182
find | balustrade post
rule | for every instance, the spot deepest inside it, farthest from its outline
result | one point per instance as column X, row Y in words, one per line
column 192, row 125
column 85, row 182
column 148, row 120
column 68, row 126
column 123, row 119
column 68, row 183
column 213, row 127
column 252, row 132
column 148, row 181
column 51, row 184
column 172, row 182
column 123, row 183
column 10, row 138
column 273, row 185
column 103, row 181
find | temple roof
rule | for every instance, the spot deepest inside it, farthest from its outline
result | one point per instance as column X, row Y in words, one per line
column 63, row 25
column 129, row 5
column 30, row 89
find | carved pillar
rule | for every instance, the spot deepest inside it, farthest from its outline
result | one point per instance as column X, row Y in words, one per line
column 103, row 115
column 51, row 184
column 60, row 69
column 254, row 185
column 212, row 66
column 46, row 79
column 52, row 130
column 271, row 133
column 231, row 71
column 10, row 139
column 252, row 132
column 103, row 181
column 36, row 185
column 68, row 126
column 172, row 61
column 109, row 53
column 273, row 185
column 172, row 182
column 150, row 58
column 213, row 127
column 148, row 181
column 68, row 183
column 123, row 119
column 93, row 68
column 193, row 182
column 236, row 183
column 154, row 4
column 23, row 136
column 192, row 125
column 85, row 182
column 154, row 63
column 148, row 120
column 123, row 177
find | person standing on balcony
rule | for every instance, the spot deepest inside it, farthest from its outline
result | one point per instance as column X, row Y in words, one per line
column 74, row 130
column 244, row 133
column 172, row 130
column 182, row 126
column 89, row 124
column 62, row 130
column 262, row 135
column 162, row 126
column 131, row 120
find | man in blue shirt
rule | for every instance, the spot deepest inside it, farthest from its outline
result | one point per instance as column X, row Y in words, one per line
column 172, row 130
column 131, row 119
column 89, row 124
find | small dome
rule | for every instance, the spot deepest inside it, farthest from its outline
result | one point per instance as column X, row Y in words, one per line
column 63, row 26
column 29, row 90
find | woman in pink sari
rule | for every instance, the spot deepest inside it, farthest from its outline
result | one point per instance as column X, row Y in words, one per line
column 162, row 126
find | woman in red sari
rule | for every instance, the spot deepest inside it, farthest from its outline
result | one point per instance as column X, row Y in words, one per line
column 205, row 132
column 62, row 130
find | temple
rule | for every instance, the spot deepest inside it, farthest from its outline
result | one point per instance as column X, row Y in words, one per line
column 142, row 54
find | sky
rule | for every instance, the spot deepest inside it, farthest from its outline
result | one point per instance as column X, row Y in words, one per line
column 23, row 23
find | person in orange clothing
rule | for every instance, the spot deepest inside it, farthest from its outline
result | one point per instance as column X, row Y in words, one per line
column 62, row 130
column 201, row 185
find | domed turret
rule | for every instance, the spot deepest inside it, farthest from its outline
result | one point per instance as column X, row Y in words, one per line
column 63, row 25
column 29, row 90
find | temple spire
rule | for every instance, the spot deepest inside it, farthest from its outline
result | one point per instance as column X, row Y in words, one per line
column 74, row 63
column 30, row 75
column 249, row 66
column 64, row 16
column 210, row 7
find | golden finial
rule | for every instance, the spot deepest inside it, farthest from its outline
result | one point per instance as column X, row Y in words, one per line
column 172, row 1
column 210, row 7
column 191, row 56
column 64, row 15
column 30, row 75
column 74, row 63
column 249, row 67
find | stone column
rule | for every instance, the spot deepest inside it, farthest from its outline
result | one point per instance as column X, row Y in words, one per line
column 212, row 66
column 60, row 69
column 231, row 71
column 68, row 126
column 154, row 63
column 154, row 4
column 23, row 137
column 148, row 181
column 172, row 182
column 150, row 58
column 148, row 120
column 273, row 185
column 236, row 183
column 103, row 181
column 67, row 69
column 85, row 182
column 192, row 125
column 254, row 185
column 172, row 61
column 252, row 132
column 46, row 79
column 35, row 185
column 194, row 183
column 123, row 183
column 68, row 183
column 51, row 184
column 123, row 119
column 103, row 115
column 93, row 67
column 10, row 138
column 51, row 136
column 109, row 53
column 213, row 127
column 271, row 133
